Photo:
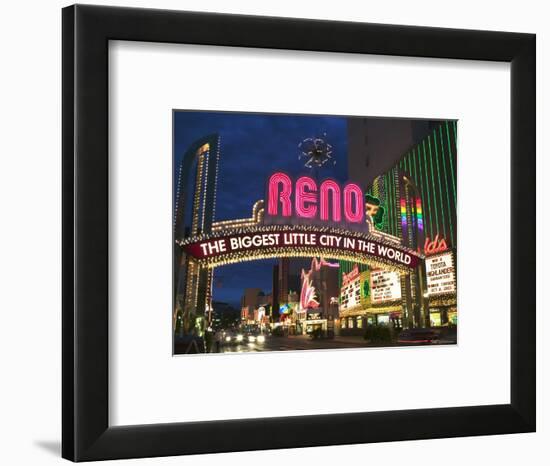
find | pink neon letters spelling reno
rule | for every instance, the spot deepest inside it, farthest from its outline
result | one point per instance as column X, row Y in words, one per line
column 308, row 200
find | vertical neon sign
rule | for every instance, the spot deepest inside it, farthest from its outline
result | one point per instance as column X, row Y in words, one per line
column 403, row 215
column 419, row 219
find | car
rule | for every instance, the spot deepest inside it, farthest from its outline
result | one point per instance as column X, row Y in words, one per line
column 254, row 337
column 418, row 336
column 232, row 338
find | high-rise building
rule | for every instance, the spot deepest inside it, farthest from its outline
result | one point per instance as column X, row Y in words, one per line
column 376, row 144
column 194, row 212
column 283, row 270
column 409, row 168
column 250, row 301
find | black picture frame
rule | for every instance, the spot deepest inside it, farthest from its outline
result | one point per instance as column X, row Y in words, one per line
column 86, row 434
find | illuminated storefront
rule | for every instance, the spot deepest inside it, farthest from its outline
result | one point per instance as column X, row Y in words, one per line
column 370, row 297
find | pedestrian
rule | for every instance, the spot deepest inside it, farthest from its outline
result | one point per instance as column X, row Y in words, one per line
column 208, row 337
column 218, row 336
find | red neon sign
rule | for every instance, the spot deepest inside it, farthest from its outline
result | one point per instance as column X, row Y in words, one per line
column 350, row 276
column 310, row 201
column 435, row 246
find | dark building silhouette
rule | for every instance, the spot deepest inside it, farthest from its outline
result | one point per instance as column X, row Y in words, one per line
column 251, row 299
column 275, row 294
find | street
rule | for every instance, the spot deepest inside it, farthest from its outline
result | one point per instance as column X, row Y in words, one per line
column 296, row 342
column 303, row 342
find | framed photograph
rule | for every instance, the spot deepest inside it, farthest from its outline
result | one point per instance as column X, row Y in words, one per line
column 283, row 233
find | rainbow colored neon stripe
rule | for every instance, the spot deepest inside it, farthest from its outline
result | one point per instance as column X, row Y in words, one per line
column 419, row 219
column 403, row 214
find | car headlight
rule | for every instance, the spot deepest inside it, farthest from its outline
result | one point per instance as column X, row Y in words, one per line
column 240, row 338
column 261, row 338
column 251, row 338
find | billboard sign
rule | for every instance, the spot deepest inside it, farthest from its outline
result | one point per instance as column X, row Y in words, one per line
column 385, row 286
column 440, row 274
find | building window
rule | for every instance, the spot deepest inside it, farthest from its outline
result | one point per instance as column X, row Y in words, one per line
column 359, row 322
column 350, row 322
column 435, row 319
column 383, row 319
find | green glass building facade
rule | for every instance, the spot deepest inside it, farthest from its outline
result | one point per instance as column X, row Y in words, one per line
column 420, row 191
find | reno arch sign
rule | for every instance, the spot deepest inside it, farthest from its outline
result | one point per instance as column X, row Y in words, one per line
column 310, row 201
column 305, row 218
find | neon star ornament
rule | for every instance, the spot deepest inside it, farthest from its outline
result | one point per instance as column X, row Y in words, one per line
column 316, row 152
